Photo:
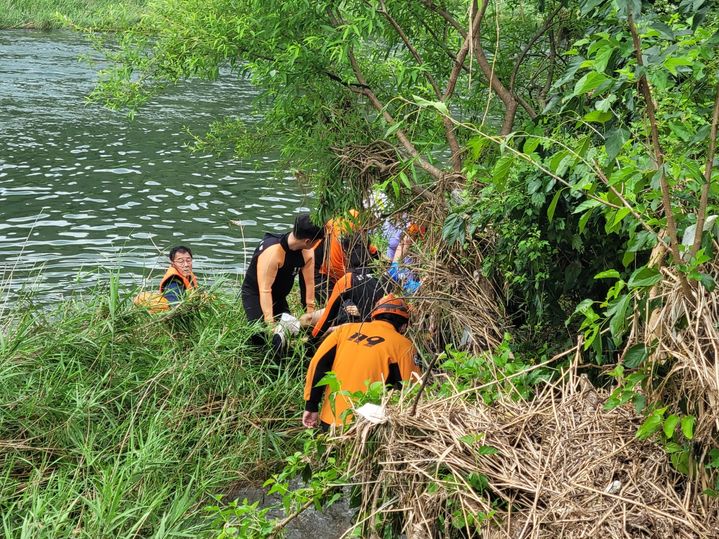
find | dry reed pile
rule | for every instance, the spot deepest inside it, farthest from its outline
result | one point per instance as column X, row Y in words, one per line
column 459, row 304
column 682, row 333
column 564, row 467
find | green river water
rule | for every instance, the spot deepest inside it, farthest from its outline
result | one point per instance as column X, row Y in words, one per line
column 83, row 190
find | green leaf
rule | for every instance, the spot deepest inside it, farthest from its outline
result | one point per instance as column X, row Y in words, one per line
column 706, row 280
column 688, row 426
column 608, row 274
column 598, row 116
column 644, row 277
column 672, row 63
column 602, row 58
column 619, row 315
column 620, row 215
column 392, row 129
column 530, row 144
column 649, row 427
column 587, row 204
column 477, row 145
column 501, row 170
column 614, row 142
column 439, row 105
column 635, row 356
column 589, row 82
column 583, row 220
column 670, row 424
column 553, row 205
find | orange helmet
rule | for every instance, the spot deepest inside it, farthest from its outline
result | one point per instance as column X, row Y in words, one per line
column 391, row 304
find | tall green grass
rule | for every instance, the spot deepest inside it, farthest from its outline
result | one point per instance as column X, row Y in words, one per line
column 117, row 423
column 49, row 14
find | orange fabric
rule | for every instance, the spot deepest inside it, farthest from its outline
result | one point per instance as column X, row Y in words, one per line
column 154, row 302
column 172, row 272
column 340, row 286
column 364, row 352
column 416, row 230
column 333, row 264
column 335, row 261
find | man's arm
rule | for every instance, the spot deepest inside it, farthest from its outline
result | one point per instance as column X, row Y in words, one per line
column 320, row 365
column 332, row 308
column 268, row 263
column 308, row 276
column 405, row 368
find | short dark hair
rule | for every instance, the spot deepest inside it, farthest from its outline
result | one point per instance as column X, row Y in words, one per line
column 396, row 320
column 359, row 255
column 305, row 229
column 179, row 249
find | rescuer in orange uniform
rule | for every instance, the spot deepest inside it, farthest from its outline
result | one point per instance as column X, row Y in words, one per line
column 332, row 253
column 354, row 296
column 358, row 354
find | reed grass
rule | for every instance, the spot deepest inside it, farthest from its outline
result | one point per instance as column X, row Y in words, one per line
column 116, row 423
column 109, row 15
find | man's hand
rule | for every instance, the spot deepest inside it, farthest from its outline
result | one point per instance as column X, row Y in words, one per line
column 310, row 419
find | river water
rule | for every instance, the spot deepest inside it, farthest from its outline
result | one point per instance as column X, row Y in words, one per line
column 84, row 189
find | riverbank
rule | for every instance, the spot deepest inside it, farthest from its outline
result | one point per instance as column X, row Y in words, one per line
column 117, row 423
column 101, row 15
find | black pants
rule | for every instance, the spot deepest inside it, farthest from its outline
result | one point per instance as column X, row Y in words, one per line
column 253, row 311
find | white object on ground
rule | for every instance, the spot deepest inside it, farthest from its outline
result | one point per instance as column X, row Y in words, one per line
column 372, row 413
column 287, row 325
column 614, row 487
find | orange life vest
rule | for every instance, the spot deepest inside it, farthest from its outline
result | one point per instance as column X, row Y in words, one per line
column 172, row 272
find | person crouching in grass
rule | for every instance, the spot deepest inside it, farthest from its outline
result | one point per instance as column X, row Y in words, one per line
column 178, row 278
column 177, row 281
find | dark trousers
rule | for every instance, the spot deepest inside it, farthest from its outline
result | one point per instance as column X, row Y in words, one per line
column 253, row 311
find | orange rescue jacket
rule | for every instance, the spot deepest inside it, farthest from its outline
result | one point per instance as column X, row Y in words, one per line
column 172, row 272
column 358, row 353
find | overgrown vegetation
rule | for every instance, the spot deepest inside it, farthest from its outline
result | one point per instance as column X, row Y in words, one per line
column 101, row 15
column 562, row 157
column 115, row 423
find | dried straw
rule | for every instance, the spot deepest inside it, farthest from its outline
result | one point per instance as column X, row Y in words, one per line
column 683, row 334
column 565, row 467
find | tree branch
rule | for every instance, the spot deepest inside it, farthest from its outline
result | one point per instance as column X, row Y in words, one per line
column 456, row 152
column 542, row 99
column 658, row 154
column 704, row 200
column 548, row 23
column 504, row 95
column 446, row 16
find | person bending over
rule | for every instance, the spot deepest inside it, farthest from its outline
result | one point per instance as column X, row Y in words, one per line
column 359, row 354
column 271, row 274
column 354, row 295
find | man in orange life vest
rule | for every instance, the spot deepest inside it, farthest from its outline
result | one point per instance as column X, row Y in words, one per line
column 178, row 278
column 358, row 354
